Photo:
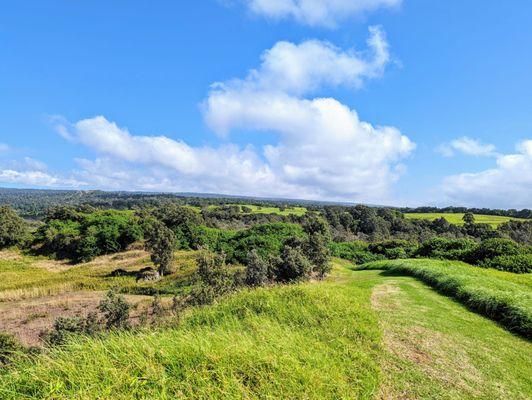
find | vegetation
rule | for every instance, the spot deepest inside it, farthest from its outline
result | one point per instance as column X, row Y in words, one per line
column 458, row 218
column 497, row 295
column 12, row 228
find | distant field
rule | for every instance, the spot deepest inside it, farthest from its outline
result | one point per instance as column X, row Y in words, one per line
column 456, row 218
column 266, row 210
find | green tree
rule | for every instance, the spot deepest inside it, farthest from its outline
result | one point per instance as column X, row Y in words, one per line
column 468, row 218
column 13, row 229
column 160, row 243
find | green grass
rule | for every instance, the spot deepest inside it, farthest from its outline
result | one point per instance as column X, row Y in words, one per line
column 308, row 341
column 24, row 277
column 298, row 211
column 501, row 296
column 434, row 348
column 456, row 218
column 359, row 335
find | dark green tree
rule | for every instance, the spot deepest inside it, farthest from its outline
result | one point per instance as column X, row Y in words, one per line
column 13, row 229
column 160, row 243
column 468, row 218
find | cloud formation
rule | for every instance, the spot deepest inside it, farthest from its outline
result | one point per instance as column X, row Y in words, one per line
column 468, row 146
column 325, row 13
column 508, row 184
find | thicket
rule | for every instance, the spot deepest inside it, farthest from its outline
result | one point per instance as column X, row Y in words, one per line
column 13, row 229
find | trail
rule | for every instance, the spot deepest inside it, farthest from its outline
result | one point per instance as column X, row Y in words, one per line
column 434, row 348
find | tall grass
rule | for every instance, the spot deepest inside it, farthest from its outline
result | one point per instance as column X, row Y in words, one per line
column 498, row 295
column 313, row 341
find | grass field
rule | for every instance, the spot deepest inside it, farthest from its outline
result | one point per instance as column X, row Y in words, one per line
column 456, row 218
column 501, row 296
column 361, row 334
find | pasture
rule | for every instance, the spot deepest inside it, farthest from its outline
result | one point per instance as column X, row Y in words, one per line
column 456, row 218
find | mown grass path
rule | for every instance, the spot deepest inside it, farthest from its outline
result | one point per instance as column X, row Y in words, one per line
column 435, row 348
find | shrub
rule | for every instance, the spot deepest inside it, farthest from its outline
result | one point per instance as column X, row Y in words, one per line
column 8, row 347
column 392, row 249
column 443, row 248
column 517, row 263
column 13, row 229
column 213, row 279
column 256, row 270
column 356, row 252
column 491, row 248
column 115, row 309
column 294, row 266
column 63, row 328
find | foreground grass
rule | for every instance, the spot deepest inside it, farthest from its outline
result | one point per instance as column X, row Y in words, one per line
column 434, row 348
column 456, row 218
column 501, row 296
column 310, row 341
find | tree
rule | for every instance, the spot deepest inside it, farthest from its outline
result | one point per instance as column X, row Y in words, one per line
column 468, row 218
column 12, row 228
column 293, row 266
column 256, row 270
column 160, row 243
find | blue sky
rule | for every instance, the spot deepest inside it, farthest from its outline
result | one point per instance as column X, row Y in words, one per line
column 385, row 101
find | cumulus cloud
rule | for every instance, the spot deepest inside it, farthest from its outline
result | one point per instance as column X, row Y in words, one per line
column 326, row 13
column 323, row 144
column 322, row 150
column 508, row 184
column 300, row 69
column 468, row 146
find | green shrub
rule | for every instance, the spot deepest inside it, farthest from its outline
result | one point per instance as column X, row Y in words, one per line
column 517, row 263
column 9, row 346
column 443, row 248
column 357, row 252
column 393, row 249
column 115, row 309
column 492, row 248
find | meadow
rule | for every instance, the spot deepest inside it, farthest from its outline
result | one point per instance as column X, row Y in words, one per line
column 456, row 218
column 359, row 334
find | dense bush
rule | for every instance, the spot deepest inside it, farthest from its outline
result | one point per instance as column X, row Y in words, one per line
column 443, row 248
column 13, row 229
column 517, row 263
column 492, row 248
column 266, row 239
column 9, row 346
column 356, row 252
column 86, row 236
column 393, row 249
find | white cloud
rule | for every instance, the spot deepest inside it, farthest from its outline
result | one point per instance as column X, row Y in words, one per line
column 327, row 13
column 322, row 149
column 36, row 178
column 323, row 145
column 508, row 184
column 301, row 69
column 468, row 146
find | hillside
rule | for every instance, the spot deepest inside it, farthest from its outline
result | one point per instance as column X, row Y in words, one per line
column 360, row 334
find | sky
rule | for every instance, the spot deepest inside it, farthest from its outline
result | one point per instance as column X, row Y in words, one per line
column 395, row 102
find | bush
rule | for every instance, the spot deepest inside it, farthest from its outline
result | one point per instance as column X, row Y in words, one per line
column 115, row 309
column 256, row 270
column 492, row 248
column 393, row 249
column 294, row 266
column 443, row 248
column 356, row 252
column 518, row 263
column 13, row 229
column 8, row 347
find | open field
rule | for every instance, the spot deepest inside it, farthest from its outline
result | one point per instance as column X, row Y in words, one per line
column 456, row 218
column 360, row 334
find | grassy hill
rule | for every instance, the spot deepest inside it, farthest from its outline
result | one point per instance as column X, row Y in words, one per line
column 360, row 334
column 456, row 218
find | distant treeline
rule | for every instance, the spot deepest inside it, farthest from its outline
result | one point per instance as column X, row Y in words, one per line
column 524, row 213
